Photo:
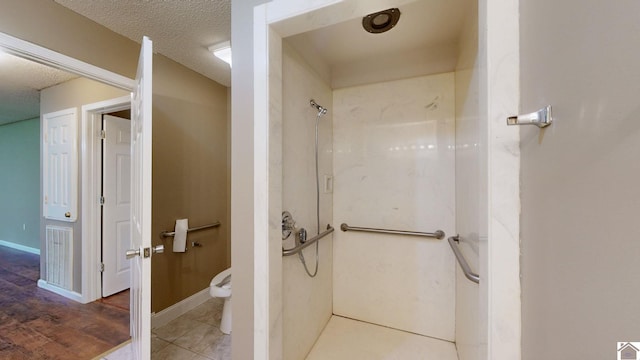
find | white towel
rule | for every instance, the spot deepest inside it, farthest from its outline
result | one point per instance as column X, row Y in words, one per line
column 180, row 238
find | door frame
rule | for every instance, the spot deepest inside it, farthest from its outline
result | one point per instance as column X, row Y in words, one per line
column 91, row 191
column 39, row 54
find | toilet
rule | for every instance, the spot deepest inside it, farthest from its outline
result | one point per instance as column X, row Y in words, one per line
column 220, row 287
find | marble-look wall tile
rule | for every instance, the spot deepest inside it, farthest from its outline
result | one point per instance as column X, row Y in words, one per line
column 471, row 209
column 307, row 302
column 394, row 168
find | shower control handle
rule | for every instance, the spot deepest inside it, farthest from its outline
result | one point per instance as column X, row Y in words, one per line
column 301, row 236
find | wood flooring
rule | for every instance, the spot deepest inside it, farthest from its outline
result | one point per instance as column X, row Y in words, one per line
column 38, row 324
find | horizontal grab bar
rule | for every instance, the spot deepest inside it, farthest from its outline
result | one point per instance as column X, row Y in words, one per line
column 438, row 234
column 298, row 248
column 166, row 234
column 453, row 241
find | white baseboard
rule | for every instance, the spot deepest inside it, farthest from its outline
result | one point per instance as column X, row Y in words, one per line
column 9, row 244
column 43, row 284
column 176, row 310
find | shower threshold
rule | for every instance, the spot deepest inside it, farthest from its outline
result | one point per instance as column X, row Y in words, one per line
column 348, row 339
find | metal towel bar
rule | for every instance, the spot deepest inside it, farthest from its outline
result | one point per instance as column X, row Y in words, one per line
column 438, row 234
column 298, row 248
column 166, row 234
column 453, row 241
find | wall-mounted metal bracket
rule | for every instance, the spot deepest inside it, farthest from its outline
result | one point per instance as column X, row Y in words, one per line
column 541, row 118
column 288, row 224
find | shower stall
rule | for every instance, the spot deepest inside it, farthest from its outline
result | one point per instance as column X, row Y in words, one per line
column 407, row 139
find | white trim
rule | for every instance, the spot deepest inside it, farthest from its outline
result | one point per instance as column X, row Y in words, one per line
column 27, row 50
column 261, row 260
column 178, row 309
column 43, row 284
column 19, row 247
column 91, row 173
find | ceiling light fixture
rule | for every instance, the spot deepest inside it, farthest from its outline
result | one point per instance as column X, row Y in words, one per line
column 381, row 21
column 222, row 51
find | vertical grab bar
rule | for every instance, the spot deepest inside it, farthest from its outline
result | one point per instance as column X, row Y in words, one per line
column 453, row 242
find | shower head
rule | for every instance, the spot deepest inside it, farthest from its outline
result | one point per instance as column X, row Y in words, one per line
column 321, row 110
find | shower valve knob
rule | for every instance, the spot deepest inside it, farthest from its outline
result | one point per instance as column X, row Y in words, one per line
column 301, row 236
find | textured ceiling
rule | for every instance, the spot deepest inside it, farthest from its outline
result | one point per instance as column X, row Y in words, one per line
column 182, row 30
column 20, row 87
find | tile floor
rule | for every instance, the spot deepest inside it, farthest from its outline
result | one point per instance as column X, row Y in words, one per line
column 347, row 339
column 193, row 336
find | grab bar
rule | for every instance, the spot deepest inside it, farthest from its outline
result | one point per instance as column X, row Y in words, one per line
column 298, row 248
column 453, row 241
column 439, row 234
column 166, row 234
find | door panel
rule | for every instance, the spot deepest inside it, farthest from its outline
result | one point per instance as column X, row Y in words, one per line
column 116, row 212
column 60, row 165
column 141, row 205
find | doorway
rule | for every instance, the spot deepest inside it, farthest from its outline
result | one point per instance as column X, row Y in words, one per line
column 106, row 225
column 116, row 202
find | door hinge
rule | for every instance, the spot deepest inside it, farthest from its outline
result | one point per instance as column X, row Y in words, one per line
column 101, row 200
column 103, row 134
column 102, row 267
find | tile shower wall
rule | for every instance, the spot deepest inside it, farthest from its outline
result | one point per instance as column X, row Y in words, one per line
column 307, row 302
column 471, row 214
column 394, row 162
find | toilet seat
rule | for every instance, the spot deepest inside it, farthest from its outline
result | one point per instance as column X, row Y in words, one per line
column 219, row 287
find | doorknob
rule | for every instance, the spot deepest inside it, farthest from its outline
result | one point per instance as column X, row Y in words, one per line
column 133, row 253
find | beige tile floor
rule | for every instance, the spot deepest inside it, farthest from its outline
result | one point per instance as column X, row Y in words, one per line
column 193, row 336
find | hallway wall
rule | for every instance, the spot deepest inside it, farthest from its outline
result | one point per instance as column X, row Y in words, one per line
column 70, row 94
column 19, row 183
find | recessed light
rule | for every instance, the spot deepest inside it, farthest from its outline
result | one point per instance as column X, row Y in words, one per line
column 222, row 51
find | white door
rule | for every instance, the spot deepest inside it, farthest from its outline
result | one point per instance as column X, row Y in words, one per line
column 141, row 206
column 60, row 160
column 116, row 211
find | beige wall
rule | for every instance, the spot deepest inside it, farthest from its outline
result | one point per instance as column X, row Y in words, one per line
column 55, row 27
column 189, row 146
column 71, row 94
column 580, row 193
column 189, row 179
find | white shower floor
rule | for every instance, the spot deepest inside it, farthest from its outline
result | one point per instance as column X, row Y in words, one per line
column 347, row 339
